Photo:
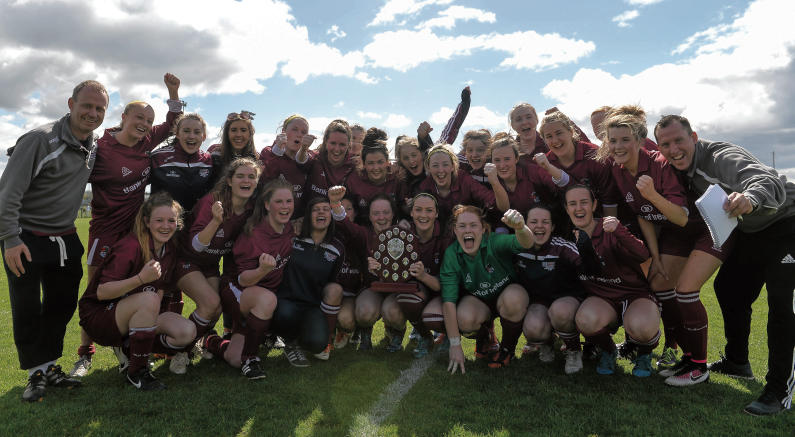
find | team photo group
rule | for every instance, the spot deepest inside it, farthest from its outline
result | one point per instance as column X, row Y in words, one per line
column 306, row 243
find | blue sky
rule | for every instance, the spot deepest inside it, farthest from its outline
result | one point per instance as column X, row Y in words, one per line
column 726, row 65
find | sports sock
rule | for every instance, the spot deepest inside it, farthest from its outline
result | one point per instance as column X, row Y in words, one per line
column 433, row 321
column 86, row 349
column 695, row 323
column 570, row 339
column 511, row 331
column 216, row 344
column 645, row 348
column 202, row 324
column 603, row 339
column 671, row 318
column 331, row 312
column 141, row 340
column 412, row 306
column 255, row 330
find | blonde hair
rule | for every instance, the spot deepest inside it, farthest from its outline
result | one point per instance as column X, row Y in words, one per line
column 559, row 117
column 632, row 117
column 447, row 150
column 291, row 119
column 503, row 139
column 129, row 107
column 264, row 197
column 483, row 135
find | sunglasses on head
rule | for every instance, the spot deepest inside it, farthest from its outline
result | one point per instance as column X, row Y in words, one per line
column 244, row 115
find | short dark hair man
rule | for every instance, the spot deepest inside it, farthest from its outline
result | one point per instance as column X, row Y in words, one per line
column 41, row 191
column 764, row 253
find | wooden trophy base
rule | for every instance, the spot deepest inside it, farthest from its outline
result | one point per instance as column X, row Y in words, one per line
column 395, row 287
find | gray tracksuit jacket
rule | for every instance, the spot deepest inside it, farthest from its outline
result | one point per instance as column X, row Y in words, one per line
column 737, row 170
column 44, row 180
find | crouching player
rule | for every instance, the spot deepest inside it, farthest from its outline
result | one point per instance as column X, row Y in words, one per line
column 549, row 270
column 121, row 305
column 481, row 265
column 616, row 286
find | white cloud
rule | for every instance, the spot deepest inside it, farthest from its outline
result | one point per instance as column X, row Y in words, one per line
column 642, row 2
column 371, row 115
column 403, row 50
column 449, row 16
column 737, row 82
column 339, row 104
column 396, row 121
column 394, row 8
column 366, row 78
column 336, row 33
column 623, row 19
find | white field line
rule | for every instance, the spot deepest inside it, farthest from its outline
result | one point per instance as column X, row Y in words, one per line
column 368, row 424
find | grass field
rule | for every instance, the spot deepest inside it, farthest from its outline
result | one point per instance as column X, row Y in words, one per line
column 354, row 394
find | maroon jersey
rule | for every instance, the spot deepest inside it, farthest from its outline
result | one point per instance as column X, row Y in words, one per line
column 221, row 244
column 533, row 185
column 431, row 252
column 654, row 165
column 125, row 261
column 464, row 191
column 322, row 175
column 294, row 173
column 362, row 190
column 650, row 145
column 587, row 170
column 119, row 179
column 264, row 239
column 615, row 273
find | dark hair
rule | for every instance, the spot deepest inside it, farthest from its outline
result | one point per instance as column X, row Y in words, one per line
column 388, row 198
column 222, row 192
column 140, row 230
column 227, row 152
column 306, row 224
column 666, row 120
column 337, row 125
column 374, row 142
column 576, row 186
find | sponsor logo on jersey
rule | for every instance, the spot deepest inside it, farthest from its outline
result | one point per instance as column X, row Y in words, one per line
column 133, row 187
column 468, row 278
column 229, row 244
column 220, row 233
column 125, row 172
column 484, row 285
column 205, row 172
column 646, row 209
column 788, row 260
column 145, row 173
column 629, row 198
column 150, row 289
column 548, row 265
column 172, row 174
column 185, row 266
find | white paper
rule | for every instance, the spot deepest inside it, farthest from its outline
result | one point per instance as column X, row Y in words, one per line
column 710, row 205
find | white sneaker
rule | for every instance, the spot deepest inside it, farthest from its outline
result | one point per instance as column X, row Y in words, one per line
column 546, row 354
column 324, row 355
column 82, row 366
column 573, row 362
column 124, row 362
column 179, row 363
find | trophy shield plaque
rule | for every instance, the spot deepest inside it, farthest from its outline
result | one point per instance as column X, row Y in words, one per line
column 395, row 252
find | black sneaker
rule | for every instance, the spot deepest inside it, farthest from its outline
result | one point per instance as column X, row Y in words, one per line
column 767, row 405
column 144, row 380
column 366, row 339
column 730, row 368
column 626, row 350
column 252, row 370
column 56, row 378
column 37, row 385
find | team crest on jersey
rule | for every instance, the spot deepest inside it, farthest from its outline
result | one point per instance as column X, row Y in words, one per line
column 145, row 173
column 330, row 257
column 110, row 306
column 104, row 251
column 489, row 268
column 125, row 172
column 468, row 278
column 205, row 172
column 220, row 233
column 535, row 197
column 150, row 289
column 548, row 265
column 630, row 198
column 646, row 209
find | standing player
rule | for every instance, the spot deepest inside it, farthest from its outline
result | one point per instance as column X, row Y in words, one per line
column 332, row 164
column 763, row 254
column 118, row 182
column 237, row 139
column 121, row 306
column 40, row 192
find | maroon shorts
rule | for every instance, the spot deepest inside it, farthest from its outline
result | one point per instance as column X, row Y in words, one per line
column 99, row 247
column 171, row 302
column 99, row 321
column 620, row 305
column 694, row 236
column 185, row 266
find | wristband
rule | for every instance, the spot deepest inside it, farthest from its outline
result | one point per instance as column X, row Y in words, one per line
column 455, row 341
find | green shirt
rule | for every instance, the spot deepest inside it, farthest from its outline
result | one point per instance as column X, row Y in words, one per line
column 486, row 274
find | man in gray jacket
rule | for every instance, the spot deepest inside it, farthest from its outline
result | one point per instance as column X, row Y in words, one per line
column 40, row 192
column 764, row 253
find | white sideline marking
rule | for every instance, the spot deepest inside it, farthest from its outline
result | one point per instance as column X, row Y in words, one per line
column 367, row 424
